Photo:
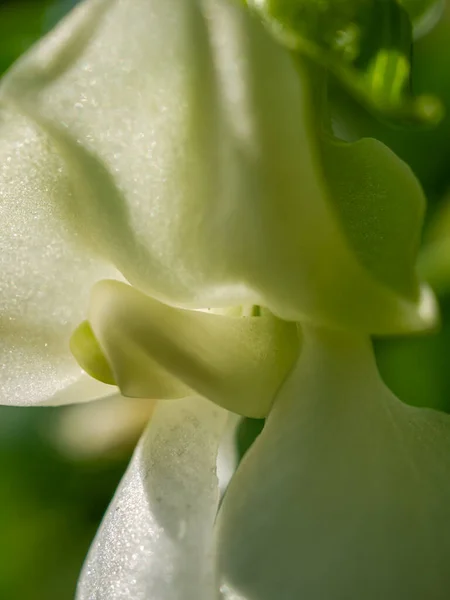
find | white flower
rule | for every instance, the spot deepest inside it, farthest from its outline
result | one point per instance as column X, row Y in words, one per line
column 173, row 144
column 71, row 204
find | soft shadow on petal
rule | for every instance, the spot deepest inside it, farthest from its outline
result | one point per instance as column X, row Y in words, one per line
column 190, row 139
column 345, row 495
column 228, row 454
column 237, row 362
column 45, row 272
column 109, row 426
column 155, row 540
column 83, row 390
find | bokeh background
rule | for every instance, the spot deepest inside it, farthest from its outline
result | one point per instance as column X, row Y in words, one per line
column 59, row 466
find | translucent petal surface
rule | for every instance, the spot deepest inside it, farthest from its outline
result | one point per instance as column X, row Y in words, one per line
column 155, row 350
column 381, row 208
column 87, row 352
column 45, row 273
column 84, row 389
column 155, row 539
column 355, row 488
column 228, row 455
column 91, row 431
column 189, row 137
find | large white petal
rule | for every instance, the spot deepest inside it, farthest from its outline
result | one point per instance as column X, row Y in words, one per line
column 45, row 273
column 346, row 493
column 155, row 540
column 189, row 135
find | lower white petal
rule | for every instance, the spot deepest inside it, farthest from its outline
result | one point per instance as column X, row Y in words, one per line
column 346, row 493
column 154, row 543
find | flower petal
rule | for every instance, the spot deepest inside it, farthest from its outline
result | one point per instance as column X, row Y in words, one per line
column 45, row 273
column 237, row 362
column 354, row 485
column 84, row 389
column 190, row 138
column 110, row 426
column 388, row 223
column 155, row 539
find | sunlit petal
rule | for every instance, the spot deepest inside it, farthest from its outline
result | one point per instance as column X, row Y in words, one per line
column 155, row 540
column 45, row 273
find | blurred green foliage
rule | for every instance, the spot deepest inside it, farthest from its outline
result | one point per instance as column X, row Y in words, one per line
column 21, row 23
column 50, row 506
